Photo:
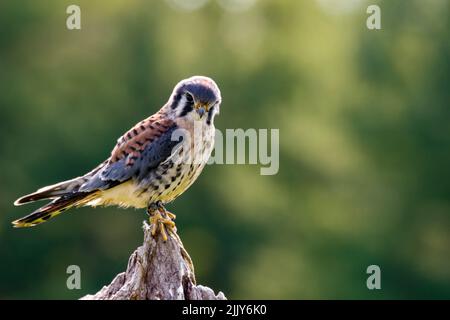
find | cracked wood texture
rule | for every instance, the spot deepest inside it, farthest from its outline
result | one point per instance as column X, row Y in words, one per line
column 157, row 270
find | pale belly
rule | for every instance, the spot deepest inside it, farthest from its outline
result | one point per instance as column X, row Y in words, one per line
column 123, row 195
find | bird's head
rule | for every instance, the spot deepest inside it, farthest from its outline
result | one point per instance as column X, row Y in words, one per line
column 196, row 98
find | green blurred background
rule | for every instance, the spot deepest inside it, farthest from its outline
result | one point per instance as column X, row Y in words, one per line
column 364, row 141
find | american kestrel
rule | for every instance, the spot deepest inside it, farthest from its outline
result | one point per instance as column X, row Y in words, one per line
column 151, row 165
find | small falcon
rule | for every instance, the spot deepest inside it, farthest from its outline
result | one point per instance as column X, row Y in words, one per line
column 151, row 165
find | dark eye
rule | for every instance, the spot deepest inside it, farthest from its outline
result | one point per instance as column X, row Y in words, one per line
column 189, row 97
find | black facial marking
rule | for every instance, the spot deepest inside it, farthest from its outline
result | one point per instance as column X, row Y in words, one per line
column 189, row 98
column 210, row 115
column 175, row 100
column 188, row 107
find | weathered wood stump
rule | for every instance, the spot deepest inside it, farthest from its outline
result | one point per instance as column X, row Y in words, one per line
column 157, row 270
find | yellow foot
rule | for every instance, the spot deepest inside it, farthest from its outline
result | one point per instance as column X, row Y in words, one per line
column 169, row 214
column 160, row 219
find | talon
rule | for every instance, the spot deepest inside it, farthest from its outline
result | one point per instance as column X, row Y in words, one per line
column 171, row 215
column 170, row 223
column 160, row 219
column 163, row 232
column 153, row 229
column 153, row 224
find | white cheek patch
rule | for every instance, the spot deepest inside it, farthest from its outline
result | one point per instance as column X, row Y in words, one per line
column 182, row 103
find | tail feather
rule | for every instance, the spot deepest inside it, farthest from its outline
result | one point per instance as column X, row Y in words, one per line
column 58, row 190
column 65, row 195
column 54, row 208
column 52, row 192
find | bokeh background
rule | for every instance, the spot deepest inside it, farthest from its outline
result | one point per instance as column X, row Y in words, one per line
column 364, row 141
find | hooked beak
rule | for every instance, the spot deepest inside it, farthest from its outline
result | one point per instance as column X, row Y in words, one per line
column 201, row 109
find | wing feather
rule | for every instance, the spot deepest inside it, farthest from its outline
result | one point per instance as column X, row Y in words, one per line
column 140, row 149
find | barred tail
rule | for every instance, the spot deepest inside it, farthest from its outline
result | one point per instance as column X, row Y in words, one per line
column 59, row 190
column 54, row 208
column 54, row 191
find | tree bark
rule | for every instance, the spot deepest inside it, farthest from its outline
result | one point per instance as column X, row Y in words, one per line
column 157, row 270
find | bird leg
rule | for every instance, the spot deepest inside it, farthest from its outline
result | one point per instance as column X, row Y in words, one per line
column 163, row 210
column 160, row 219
